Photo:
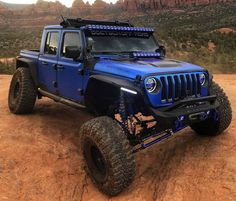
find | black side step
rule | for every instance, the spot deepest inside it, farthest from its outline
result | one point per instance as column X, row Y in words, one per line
column 60, row 99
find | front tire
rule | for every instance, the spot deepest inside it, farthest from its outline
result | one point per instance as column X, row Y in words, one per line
column 211, row 126
column 108, row 156
column 22, row 93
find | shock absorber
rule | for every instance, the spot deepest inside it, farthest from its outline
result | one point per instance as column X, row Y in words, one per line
column 123, row 112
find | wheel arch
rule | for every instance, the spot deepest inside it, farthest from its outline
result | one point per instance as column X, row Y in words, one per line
column 103, row 91
column 28, row 63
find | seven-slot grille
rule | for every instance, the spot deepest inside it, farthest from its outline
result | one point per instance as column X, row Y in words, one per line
column 179, row 86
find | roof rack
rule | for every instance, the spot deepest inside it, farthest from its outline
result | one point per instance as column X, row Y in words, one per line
column 82, row 22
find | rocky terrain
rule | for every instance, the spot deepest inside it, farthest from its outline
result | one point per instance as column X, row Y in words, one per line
column 39, row 159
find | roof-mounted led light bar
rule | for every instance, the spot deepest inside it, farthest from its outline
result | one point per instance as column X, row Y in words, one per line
column 78, row 22
column 145, row 54
column 118, row 28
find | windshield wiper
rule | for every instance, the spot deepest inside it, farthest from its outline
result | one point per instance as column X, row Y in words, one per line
column 130, row 52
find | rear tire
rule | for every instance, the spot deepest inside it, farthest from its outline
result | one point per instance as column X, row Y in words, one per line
column 22, row 93
column 213, row 127
column 108, row 156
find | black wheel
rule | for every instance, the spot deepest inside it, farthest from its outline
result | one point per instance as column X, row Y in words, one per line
column 108, row 156
column 22, row 94
column 215, row 126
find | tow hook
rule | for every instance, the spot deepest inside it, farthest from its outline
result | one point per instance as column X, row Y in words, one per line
column 179, row 123
column 198, row 116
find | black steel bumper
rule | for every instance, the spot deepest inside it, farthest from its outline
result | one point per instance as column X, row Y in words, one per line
column 186, row 111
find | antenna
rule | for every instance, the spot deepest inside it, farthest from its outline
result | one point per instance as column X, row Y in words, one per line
column 65, row 21
column 63, row 18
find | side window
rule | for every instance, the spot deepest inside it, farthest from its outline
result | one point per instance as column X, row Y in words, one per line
column 70, row 39
column 51, row 45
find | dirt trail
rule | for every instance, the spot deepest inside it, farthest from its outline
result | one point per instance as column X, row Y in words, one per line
column 39, row 160
column 7, row 60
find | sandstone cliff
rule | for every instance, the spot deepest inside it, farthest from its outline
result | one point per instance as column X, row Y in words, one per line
column 44, row 12
column 82, row 9
column 136, row 5
column 42, row 8
column 4, row 10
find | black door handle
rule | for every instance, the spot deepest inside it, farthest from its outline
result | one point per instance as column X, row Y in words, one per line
column 60, row 67
column 44, row 63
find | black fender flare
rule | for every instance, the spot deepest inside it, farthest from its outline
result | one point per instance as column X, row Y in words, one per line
column 28, row 63
column 102, row 90
column 116, row 82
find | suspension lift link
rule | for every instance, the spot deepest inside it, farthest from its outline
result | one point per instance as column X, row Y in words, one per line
column 162, row 136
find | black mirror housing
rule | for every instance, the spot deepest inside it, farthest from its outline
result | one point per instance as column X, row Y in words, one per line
column 90, row 44
column 72, row 52
column 162, row 50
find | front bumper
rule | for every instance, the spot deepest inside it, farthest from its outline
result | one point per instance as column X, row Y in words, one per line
column 185, row 112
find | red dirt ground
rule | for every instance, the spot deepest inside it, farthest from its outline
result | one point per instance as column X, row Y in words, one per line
column 39, row 159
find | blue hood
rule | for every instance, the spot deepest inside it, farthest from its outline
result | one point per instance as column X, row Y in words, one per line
column 143, row 67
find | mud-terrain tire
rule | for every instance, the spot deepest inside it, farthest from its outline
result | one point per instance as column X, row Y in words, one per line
column 211, row 127
column 22, row 93
column 108, row 156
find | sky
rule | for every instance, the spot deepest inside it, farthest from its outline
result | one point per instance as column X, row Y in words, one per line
column 68, row 3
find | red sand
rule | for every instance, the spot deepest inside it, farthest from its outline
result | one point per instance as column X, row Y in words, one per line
column 39, row 160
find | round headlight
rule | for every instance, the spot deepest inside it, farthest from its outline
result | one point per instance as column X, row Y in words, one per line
column 151, row 85
column 202, row 79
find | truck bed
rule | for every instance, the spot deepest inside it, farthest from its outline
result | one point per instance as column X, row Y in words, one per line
column 30, row 54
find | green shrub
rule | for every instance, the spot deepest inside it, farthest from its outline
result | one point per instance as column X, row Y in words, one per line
column 7, row 68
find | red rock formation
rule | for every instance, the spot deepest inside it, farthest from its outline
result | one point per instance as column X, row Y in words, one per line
column 99, row 6
column 4, row 10
column 79, row 8
column 134, row 5
column 44, row 8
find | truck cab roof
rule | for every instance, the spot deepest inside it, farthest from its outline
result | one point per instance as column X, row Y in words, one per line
column 53, row 27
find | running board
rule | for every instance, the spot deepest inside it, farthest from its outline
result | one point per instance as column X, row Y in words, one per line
column 60, row 99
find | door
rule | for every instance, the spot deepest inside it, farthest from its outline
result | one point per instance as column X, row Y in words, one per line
column 47, row 61
column 69, row 71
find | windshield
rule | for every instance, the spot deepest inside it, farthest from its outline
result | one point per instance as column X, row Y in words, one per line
column 122, row 44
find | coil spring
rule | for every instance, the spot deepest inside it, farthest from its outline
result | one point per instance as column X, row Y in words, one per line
column 122, row 111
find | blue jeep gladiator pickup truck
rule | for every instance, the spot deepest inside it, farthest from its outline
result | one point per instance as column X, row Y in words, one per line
column 119, row 73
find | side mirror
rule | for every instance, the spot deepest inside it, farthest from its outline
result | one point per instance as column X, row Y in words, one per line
column 162, row 50
column 90, row 44
column 72, row 52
